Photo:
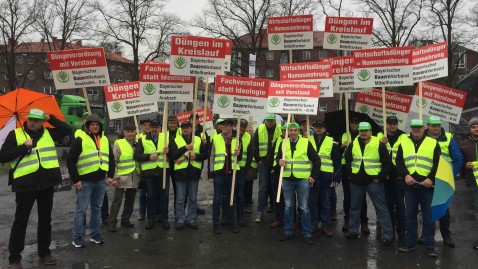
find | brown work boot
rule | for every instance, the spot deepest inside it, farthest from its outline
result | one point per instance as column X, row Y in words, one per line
column 48, row 260
column 328, row 231
column 276, row 224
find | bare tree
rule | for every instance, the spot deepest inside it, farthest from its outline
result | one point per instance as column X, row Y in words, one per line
column 397, row 20
column 242, row 21
column 128, row 22
column 16, row 20
column 333, row 8
column 294, row 7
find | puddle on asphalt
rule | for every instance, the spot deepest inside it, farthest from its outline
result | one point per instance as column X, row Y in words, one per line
column 134, row 235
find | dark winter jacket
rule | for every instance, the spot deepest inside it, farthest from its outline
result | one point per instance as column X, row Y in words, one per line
column 191, row 172
column 469, row 148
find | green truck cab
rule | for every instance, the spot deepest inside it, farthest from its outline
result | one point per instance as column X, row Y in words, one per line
column 73, row 107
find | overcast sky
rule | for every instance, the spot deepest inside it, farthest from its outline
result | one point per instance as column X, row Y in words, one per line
column 186, row 9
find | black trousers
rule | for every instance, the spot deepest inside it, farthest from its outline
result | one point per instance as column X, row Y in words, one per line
column 25, row 201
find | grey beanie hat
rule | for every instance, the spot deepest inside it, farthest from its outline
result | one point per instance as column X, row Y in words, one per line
column 472, row 122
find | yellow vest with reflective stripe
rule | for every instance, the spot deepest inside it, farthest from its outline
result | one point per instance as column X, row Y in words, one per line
column 126, row 163
column 325, row 153
column 370, row 157
column 393, row 150
column 263, row 137
column 276, row 150
column 299, row 164
column 91, row 159
column 475, row 171
column 219, row 158
column 444, row 146
column 344, row 139
column 44, row 154
column 149, row 148
column 78, row 132
column 183, row 161
column 421, row 161
column 245, row 140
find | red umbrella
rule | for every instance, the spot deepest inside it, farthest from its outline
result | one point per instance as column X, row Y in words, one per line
column 19, row 102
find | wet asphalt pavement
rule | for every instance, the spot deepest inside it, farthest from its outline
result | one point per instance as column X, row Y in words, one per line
column 255, row 246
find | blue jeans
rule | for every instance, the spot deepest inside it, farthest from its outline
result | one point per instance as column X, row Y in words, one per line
column 290, row 189
column 413, row 198
column 278, row 207
column 376, row 192
column 320, row 200
column 90, row 193
column 222, row 191
column 157, row 198
column 187, row 188
column 264, row 182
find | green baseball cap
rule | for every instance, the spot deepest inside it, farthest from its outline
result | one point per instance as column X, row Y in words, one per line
column 293, row 125
column 434, row 120
column 417, row 123
column 270, row 117
column 219, row 121
column 283, row 127
column 364, row 126
column 36, row 113
column 85, row 115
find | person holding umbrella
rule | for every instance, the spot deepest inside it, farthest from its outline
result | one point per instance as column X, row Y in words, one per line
column 33, row 176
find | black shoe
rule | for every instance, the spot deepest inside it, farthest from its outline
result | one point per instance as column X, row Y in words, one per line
column 431, row 252
column 201, row 211
column 179, row 225
column 112, row 228
column 285, row 237
column 215, row 229
column 193, row 225
column 240, row 221
column 448, row 241
column 149, row 225
column 233, row 228
column 386, row 242
column 406, row 248
column 350, row 235
column 127, row 224
column 165, row 224
column 309, row 240
column 365, row 229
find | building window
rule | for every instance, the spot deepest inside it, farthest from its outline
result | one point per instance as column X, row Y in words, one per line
column 47, row 74
column 459, row 59
column 270, row 73
column 270, row 55
column 284, row 57
column 111, row 123
column 322, row 106
column 322, row 54
column 118, row 126
column 306, row 55
column 49, row 90
column 93, row 95
column 31, row 75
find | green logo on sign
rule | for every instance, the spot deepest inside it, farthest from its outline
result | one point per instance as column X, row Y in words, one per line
column 364, row 75
column 117, row 107
column 274, row 102
column 223, row 101
column 62, row 76
column 363, row 109
column 424, row 103
column 275, row 39
column 149, row 89
column 331, row 39
column 180, row 63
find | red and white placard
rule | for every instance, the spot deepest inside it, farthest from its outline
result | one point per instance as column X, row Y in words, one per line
column 396, row 104
column 293, row 97
column 79, row 68
column 430, row 62
column 123, row 101
column 197, row 56
column 290, row 32
column 343, row 74
column 240, row 96
column 383, row 67
column 209, row 126
column 444, row 102
column 157, row 84
column 348, row 33
column 310, row 72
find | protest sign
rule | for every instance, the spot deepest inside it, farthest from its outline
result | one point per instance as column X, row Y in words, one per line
column 240, row 96
column 310, row 72
column 383, row 67
column 293, row 97
column 343, row 74
column 182, row 117
column 290, row 32
column 123, row 101
column 396, row 104
column 197, row 56
column 157, row 84
column 444, row 102
column 79, row 68
column 348, row 33
column 430, row 62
